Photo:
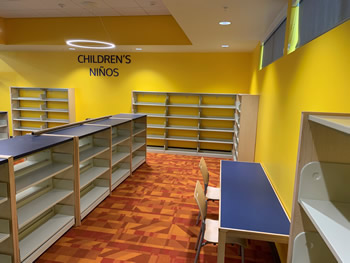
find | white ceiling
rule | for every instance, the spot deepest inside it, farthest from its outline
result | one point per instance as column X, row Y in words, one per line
column 252, row 20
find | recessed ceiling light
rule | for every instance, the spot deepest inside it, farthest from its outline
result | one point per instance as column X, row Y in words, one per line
column 138, row 48
column 80, row 43
column 224, row 46
column 224, row 23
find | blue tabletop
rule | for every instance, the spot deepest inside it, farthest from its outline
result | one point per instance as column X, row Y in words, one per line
column 248, row 201
column 3, row 161
column 80, row 131
column 111, row 122
column 129, row 116
column 23, row 145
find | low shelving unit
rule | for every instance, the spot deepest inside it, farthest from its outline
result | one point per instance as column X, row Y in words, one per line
column 44, row 186
column 34, row 109
column 138, row 141
column 207, row 124
column 8, row 224
column 121, row 148
column 4, row 125
column 93, row 148
column 320, row 230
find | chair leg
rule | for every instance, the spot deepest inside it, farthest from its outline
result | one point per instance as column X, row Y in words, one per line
column 242, row 254
column 198, row 218
column 199, row 247
column 199, row 236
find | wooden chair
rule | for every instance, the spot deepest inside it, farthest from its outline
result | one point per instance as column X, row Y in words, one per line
column 209, row 230
column 211, row 193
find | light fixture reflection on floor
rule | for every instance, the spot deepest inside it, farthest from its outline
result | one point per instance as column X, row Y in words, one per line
column 79, row 43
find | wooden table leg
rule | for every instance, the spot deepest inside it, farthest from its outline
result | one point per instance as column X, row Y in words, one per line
column 221, row 246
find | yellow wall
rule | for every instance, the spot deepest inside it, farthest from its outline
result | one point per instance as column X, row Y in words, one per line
column 98, row 96
column 313, row 78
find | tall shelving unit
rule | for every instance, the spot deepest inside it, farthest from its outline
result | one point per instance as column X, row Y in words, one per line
column 8, row 217
column 138, row 141
column 35, row 109
column 4, row 129
column 44, row 186
column 121, row 148
column 209, row 124
column 320, row 230
column 93, row 157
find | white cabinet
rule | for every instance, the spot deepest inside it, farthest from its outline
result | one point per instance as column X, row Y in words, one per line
column 320, row 229
column 34, row 109
column 210, row 124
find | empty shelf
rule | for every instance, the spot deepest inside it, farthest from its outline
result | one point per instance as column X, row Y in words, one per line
column 119, row 139
column 44, row 233
column 3, row 237
column 154, row 115
column 149, row 104
column 310, row 248
column 215, row 129
column 92, row 198
column 41, row 120
column 91, row 174
column 156, row 126
column 118, row 175
column 31, row 129
column 29, row 179
column 339, row 123
column 39, row 205
column 38, row 109
column 213, row 106
column 138, row 130
column 137, row 161
column 182, row 138
column 332, row 220
column 137, row 145
column 183, row 116
column 184, row 105
column 216, row 140
column 3, row 199
column 178, row 127
column 118, row 156
column 155, row 136
column 91, row 152
column 217, row 118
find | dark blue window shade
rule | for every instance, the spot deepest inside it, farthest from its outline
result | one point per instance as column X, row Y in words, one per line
column 273, row 46
column 318, row 16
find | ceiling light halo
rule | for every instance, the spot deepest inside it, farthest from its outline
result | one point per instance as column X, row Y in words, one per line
column 78, row 44
column 225, row 46
column 224, row 23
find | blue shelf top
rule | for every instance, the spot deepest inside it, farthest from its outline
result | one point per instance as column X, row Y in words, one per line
column 3, row 160
column 111, row 122
column 248, row 201
column 129, row 116
column 24, row 145
column 80, row 131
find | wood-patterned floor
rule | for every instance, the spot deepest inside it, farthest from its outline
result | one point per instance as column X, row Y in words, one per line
column 150, row 217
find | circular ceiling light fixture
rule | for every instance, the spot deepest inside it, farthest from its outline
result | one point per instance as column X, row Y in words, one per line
column 224, row 23
column 90, row 44
column 225, row 46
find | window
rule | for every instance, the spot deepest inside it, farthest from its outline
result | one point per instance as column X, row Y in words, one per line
column 274, row 44
column 318, row 16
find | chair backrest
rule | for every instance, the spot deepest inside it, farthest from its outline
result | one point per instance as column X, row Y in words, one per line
column 200, row 199
column 204, row 171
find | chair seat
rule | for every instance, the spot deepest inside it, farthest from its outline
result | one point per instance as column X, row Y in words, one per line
column 213, row 193
column 211, row 234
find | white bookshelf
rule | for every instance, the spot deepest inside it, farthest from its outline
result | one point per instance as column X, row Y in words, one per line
column 4, row 129
column 199, row 123
column 8, row 228
column 44, row 187
column 35, row 109
column 321, row 207
column 137, row 141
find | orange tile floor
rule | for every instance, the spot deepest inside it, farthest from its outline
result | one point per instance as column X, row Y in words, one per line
column 150, row 217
